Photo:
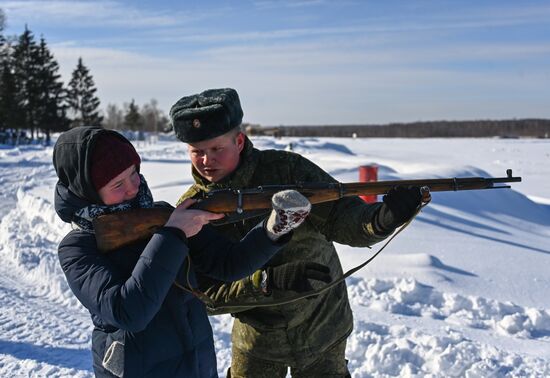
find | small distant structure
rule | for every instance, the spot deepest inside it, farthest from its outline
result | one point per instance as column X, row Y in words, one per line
column 252, row 129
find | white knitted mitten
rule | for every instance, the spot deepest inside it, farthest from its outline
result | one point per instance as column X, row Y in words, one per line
column 290, row 209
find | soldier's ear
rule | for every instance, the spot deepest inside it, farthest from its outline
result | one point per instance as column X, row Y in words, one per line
column 239, row 139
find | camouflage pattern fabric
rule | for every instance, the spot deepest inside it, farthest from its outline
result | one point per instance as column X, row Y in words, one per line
column 332, row 363
column 294, row 334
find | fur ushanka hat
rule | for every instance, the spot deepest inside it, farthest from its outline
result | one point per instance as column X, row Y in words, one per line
column 206, row 115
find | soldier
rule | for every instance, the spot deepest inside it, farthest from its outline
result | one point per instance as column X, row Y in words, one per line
column 308, row 335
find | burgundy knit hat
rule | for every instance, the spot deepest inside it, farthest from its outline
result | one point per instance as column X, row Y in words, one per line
column 111, row 155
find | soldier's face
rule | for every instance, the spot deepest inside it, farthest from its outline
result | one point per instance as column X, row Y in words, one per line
column 218, row 157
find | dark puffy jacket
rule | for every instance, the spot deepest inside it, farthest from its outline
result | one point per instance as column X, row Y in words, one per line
column 130, row 292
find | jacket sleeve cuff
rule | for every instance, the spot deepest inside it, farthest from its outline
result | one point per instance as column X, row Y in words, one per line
column 176, row 231
column 256, row 279
column 259, row 282
column 371, row 230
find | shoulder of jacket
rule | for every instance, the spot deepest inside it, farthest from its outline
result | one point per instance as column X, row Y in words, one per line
column 192, row 192
column 77, row 240
column 279, row 155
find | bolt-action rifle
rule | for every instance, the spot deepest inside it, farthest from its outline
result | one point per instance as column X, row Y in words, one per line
column 119, row 229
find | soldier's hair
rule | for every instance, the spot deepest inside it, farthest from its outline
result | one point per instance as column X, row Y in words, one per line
column 235, row 131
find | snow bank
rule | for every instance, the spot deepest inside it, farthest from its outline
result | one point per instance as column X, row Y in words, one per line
column 29, row 235
column 407, row 296
column 303, row 146
column 378, row 350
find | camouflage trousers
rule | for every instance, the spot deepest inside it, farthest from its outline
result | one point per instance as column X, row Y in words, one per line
column 332, row 363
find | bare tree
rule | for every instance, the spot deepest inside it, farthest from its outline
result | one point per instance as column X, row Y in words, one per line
column 150, row 116
column 114, row 118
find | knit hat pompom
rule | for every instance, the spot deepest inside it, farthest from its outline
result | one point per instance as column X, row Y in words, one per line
column 111, row 155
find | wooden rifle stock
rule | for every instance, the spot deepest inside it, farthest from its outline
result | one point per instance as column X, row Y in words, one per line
column 116, row 230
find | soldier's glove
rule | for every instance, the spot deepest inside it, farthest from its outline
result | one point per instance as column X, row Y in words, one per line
column 400, row 205
column 290, row 209
column 296, row 275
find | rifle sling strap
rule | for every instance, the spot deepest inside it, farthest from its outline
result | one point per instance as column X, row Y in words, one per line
column 239, row 306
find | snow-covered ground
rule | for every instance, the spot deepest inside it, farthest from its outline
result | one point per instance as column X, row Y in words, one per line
column 462, row 292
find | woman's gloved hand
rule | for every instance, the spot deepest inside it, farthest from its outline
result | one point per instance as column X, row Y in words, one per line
column 296, row 275
column 290, row 209
column 400, row 205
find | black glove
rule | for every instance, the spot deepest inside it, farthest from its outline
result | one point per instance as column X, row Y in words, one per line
column 295, row 275
column 400, row 205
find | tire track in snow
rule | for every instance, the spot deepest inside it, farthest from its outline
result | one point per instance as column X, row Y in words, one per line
column 51, row 340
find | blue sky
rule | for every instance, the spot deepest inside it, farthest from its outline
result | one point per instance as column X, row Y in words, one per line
column 309, row 62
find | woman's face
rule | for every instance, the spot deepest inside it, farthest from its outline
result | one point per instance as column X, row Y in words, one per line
column 123, row 187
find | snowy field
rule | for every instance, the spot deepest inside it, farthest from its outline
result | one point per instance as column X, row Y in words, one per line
column 464, row 291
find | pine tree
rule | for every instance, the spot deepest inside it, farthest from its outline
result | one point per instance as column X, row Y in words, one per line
column 83, row 104
column 4, row 48
column 26, row 63
column 50, row 110
column 2, row 38
column 133, row 119
column 2, row 22
column 11, row 110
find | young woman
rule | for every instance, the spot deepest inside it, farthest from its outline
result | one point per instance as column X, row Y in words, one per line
column 144, row 325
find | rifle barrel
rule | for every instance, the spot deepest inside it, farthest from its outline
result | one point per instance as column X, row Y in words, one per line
column 230, row 200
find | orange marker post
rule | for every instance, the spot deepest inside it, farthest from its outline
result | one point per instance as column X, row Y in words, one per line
column 368, row 173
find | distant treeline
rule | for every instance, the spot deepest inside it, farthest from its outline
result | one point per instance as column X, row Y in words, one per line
column 534, row 128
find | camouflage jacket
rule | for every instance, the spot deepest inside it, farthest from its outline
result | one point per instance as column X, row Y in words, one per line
column 294, row 333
